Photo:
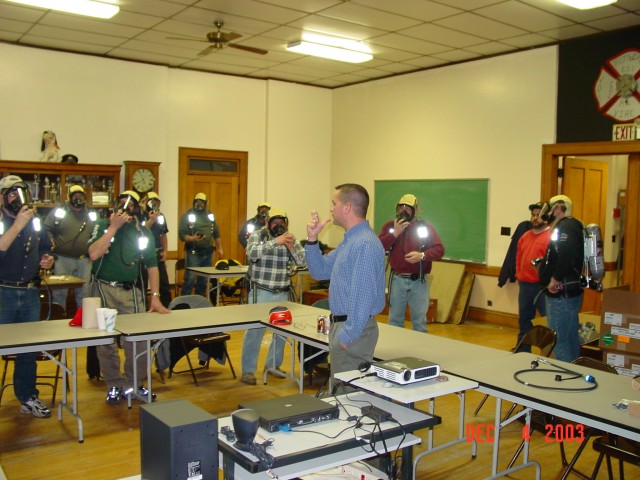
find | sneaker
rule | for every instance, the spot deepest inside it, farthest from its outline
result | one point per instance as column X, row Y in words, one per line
column 114, row 395
column 248, row 378
column 35, row 407
column 142, row 391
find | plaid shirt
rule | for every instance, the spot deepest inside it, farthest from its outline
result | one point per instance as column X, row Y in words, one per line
column 270, row 264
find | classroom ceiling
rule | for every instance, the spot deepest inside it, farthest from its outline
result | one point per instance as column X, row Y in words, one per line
column 404, row 35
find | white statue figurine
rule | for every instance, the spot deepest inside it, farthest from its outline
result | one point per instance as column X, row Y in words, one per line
column 50, row 149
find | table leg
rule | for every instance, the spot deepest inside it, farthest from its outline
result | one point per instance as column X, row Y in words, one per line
column 73, row 373
column 498, row 425
column 144, row 398
column 461, row 435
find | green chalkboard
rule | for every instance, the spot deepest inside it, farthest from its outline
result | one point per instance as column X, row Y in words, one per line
column 457, row 208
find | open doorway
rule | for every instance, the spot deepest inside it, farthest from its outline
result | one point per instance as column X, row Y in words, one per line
column 553, row 157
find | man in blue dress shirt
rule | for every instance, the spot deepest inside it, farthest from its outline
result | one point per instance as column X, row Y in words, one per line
column 356, row 272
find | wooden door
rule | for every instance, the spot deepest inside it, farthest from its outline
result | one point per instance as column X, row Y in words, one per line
column 585, row 182
column 222, row 176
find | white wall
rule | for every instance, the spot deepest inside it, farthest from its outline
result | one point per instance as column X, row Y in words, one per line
column 106, row 111
column 483, row 119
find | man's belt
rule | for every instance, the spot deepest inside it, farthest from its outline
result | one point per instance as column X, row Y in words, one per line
column 125, row 285
column 31, row 284
column 201, row 252
column 338, row 318
column 75, row 258
column 410, row 276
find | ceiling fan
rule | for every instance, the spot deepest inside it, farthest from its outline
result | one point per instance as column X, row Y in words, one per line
column 220, row 40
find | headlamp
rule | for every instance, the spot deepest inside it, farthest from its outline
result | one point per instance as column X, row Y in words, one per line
column 211, row 217
column 143, row 241
column 36, row 224
column 161, row 220
column 60, row 213
column 191, row 217
column 93, row 216
column 423, row 232
column 250, row 228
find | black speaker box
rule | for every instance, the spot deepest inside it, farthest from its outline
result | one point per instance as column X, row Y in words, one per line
column 178, row 441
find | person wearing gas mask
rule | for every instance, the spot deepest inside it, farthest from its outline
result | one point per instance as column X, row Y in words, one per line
column 531, row 248
column 119, row 247
column 560, row 271
column 274, row 255
column 413, row 245
column 201, row 236
column 154, row 220
column 254, row 223
column 69, row 227
column 24, row 250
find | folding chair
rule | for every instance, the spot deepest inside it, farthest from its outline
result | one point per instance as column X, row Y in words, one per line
column 184, row 345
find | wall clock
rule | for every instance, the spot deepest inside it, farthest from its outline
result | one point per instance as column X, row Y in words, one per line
column 141, row 176
column 617, row 88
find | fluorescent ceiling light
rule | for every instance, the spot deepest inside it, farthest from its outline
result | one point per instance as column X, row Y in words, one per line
column 335, row 48
column 587, row 4
column 79, row 7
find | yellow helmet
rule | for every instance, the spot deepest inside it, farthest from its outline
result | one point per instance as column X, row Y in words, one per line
column 408, row 200
column 132, row 194
column 201, row 196
column 152, row 195
column 76, row 188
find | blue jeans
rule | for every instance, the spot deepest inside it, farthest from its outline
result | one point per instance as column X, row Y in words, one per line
column 253, row 337
column 21, row 305
column 527, row 305
column 196, row 260
column 78, row 267
column 405, row 291
column 562, row 316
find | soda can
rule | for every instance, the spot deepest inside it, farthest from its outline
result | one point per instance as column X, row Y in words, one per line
column 327, row 325
column 320, row 323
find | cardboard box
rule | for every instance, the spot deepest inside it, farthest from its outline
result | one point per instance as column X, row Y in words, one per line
column 625, row 363
column 620, row 323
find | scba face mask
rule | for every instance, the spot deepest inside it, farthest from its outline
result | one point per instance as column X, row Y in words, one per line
column 78, row 200
column 404, row 215
column 16, row 197
column 277, row 229
column 126, row 204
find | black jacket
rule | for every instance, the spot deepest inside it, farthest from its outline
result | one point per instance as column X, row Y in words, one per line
column 565, row 256
column 508, row 270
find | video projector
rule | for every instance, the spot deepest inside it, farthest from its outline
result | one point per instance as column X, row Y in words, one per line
column 406, row 370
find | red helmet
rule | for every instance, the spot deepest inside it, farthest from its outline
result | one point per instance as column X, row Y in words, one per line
column 280, row 316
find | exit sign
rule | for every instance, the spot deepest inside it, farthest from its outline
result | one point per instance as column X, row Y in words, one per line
column 626, row 131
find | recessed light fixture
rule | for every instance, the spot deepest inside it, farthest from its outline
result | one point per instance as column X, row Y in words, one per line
column 334, row 48
column 89, row 8
column 587, row 4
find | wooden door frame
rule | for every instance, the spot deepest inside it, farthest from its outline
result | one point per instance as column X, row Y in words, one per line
column 185, row 200
column 549, row 184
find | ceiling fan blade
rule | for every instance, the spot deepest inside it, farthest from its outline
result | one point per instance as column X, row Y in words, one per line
column 207, row 50
column 230, row 36
column 191, row 39
column 259, row 51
